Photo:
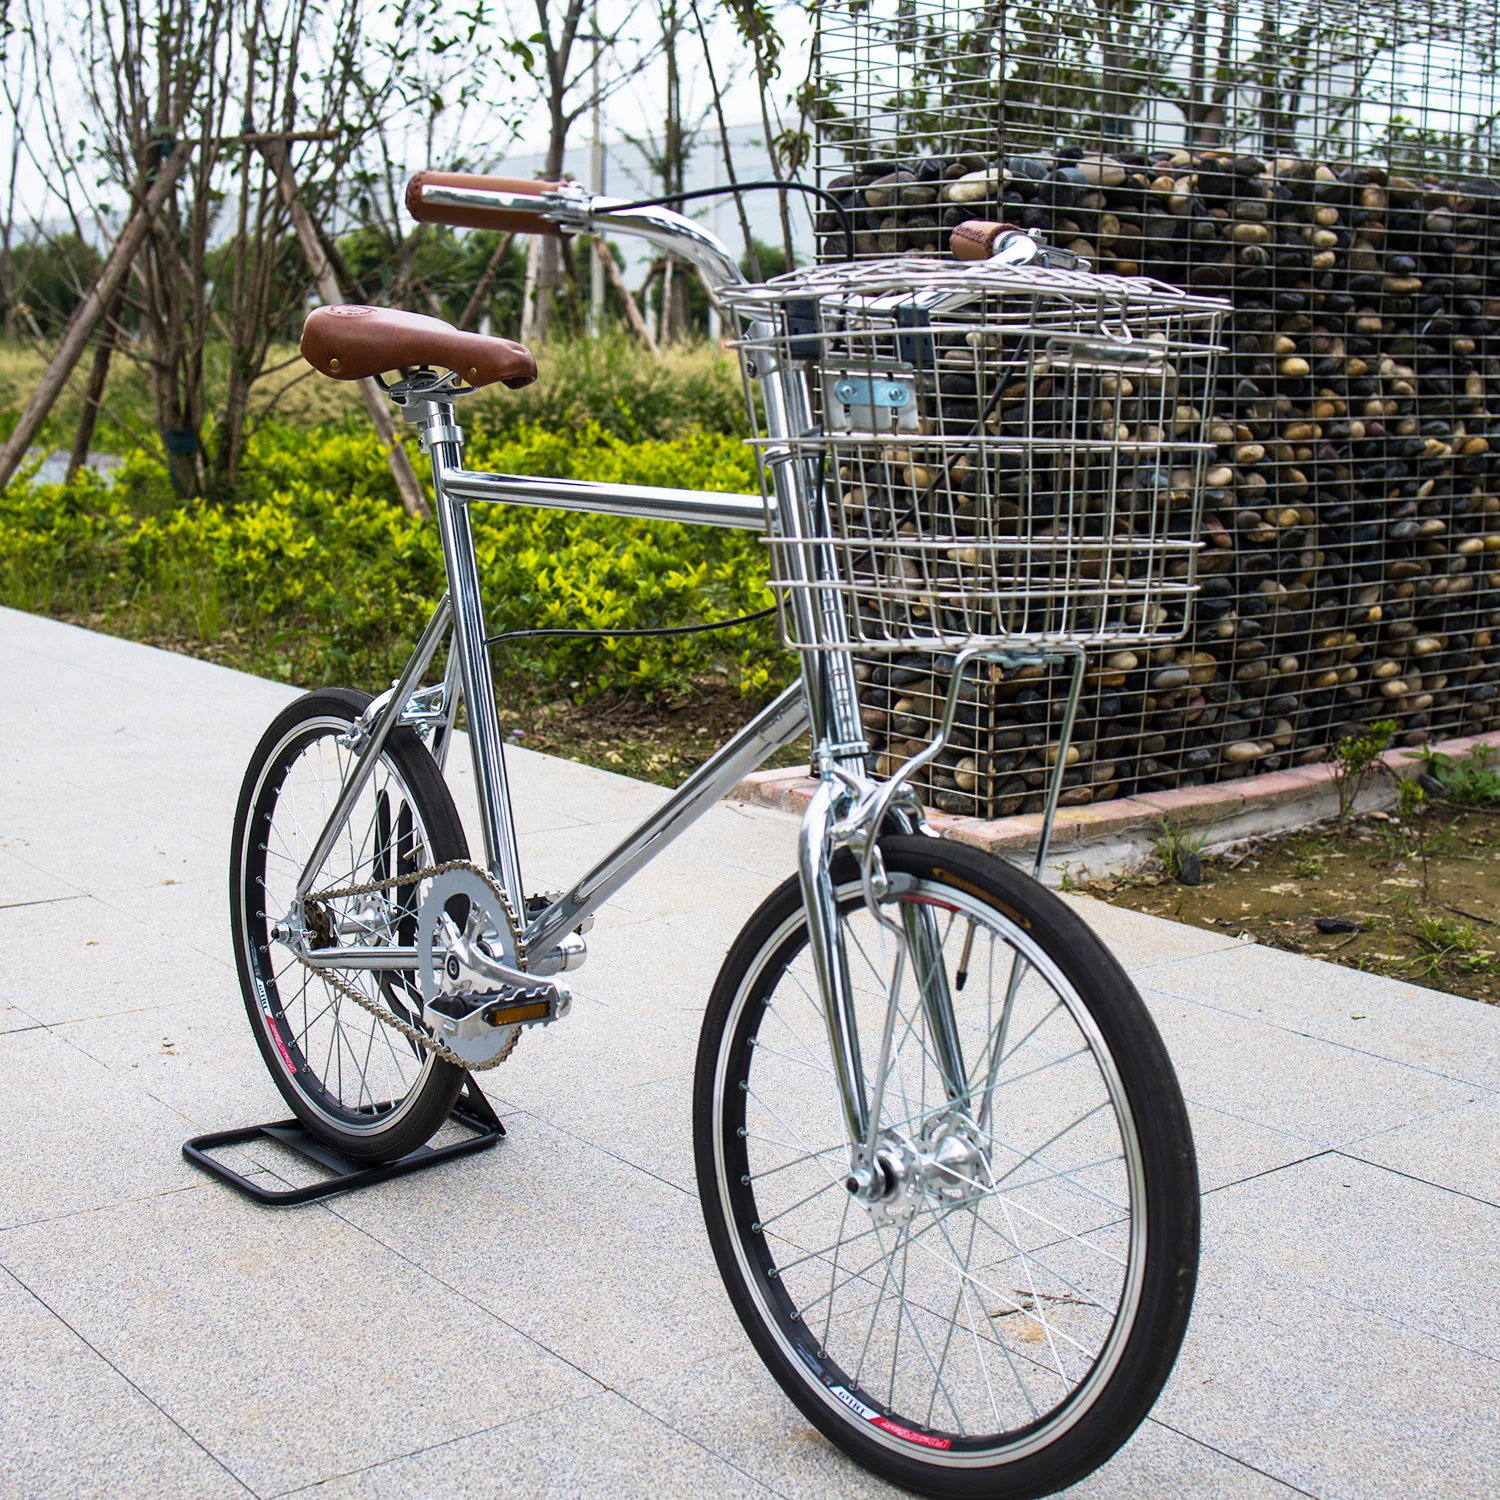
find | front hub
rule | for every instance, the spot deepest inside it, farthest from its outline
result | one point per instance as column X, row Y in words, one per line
column 943, row 1167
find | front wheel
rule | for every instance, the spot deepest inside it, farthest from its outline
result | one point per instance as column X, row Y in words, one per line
column 993, row 1308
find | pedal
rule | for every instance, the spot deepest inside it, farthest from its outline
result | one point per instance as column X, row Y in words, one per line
column 477, row 1027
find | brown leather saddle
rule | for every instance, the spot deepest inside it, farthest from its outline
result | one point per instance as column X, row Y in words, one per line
column 350, row 342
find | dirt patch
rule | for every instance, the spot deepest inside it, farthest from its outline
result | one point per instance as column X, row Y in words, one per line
column 1358, row 897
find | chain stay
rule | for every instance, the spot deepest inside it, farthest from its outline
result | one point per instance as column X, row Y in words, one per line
column 414, row 1034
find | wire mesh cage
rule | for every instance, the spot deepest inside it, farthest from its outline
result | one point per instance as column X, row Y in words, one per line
column 1333, row 171
column 996, row 454
column 1013, row 95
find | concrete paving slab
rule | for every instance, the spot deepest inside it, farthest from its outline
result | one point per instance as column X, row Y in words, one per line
column 211, row 1074
column 1327, row 1397
column 1406, row 1023
column 574, row 1254
column 1140, row 941
column 13, row 1018
column 67, row 960
column 1326, row 1223
column 602, row 1446
column 594, row 1259
column 1454, row 1149
column 75, row 1429
column 194, row 912
column 290, row 1344
column 96, row 845
column 1158, row 1462
column 730, row 1404
column 23, row 883
column 1302, row 1086
column 78, row 1137
column 648, row 1125
column 1231, row 1148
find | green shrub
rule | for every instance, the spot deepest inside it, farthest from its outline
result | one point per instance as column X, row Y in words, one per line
column 316, row 575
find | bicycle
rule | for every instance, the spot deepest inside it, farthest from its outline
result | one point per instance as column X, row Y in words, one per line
column 945, row 1166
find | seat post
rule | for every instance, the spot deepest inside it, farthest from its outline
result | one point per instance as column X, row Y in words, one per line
column 442, row 440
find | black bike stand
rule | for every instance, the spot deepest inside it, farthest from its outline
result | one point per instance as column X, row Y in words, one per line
column 472, row 1110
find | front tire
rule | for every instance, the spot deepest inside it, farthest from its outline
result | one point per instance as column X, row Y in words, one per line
column 999, row 1313
column 355, row 1082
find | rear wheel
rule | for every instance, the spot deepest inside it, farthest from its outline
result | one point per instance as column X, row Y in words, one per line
column 994, row 1310
column 353, row 1080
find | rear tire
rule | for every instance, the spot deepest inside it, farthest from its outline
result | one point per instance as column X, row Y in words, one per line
column 354, row 1081
column 1009, row 1333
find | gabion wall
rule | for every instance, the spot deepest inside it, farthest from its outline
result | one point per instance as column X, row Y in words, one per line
column 1352, row 517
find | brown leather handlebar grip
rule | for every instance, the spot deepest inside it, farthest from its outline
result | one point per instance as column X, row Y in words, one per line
column 473, row 216
column 974, row 239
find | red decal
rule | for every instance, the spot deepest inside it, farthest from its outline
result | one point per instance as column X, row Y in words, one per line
column 923, row 1438
column 931, row 901
column 286, row 1056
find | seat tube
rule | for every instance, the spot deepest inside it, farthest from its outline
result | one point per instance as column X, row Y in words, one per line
column 442, row 439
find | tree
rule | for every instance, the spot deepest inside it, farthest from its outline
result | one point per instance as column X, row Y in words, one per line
column 558, row 57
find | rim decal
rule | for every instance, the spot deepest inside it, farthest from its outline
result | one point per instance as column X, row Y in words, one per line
column 925, row 1439
column 854, row 1403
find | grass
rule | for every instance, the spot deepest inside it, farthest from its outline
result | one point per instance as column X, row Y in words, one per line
column 1179, row 853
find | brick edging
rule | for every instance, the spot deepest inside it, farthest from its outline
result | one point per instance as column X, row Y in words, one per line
column 1273, row 802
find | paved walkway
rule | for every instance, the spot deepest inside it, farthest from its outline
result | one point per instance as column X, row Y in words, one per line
column 545, row 1319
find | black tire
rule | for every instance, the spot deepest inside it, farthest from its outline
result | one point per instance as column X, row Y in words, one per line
column 407, row 821
column 772, row 1163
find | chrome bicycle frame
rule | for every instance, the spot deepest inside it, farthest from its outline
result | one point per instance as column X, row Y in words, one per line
column 848, row 811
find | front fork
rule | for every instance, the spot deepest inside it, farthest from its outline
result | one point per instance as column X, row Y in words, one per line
column 849, row 812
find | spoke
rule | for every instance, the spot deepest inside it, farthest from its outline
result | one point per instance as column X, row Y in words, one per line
column 968, row 1301
column 1052, row 1224
column 833, row 1274
column 801, row 1144
column 796, row 1161
column 792, row 1208
column 933, row 1298
column 1037, row 1310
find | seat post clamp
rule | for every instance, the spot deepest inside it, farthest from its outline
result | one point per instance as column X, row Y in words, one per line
column 439, row 431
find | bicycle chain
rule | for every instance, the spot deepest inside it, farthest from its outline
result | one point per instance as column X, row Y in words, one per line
column 414, row 1034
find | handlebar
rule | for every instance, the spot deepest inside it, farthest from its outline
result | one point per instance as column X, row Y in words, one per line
column 517, row 206
column 470, row 201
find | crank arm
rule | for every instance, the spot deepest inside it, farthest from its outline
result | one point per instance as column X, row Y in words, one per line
column 480, row 968
column 567, row 955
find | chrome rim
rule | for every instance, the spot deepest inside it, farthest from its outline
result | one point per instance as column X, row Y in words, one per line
column 977, row 1311
column 358, row 1073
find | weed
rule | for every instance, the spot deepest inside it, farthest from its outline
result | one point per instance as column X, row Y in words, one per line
column 1309, row 867
column 1178, row 853
column 1445, row 935
column 1470, row 779
column 1411, row 799
column 1357, row 758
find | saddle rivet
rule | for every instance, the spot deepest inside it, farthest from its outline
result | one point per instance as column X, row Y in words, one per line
column 333, row 364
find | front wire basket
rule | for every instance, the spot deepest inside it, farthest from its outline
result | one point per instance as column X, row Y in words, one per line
column 1006, row 455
